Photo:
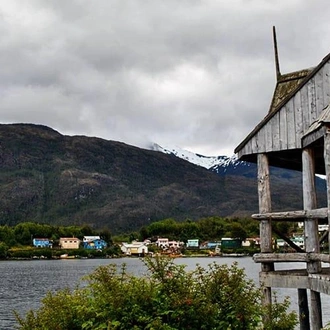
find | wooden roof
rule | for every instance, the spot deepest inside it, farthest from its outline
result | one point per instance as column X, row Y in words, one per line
column 287, row 85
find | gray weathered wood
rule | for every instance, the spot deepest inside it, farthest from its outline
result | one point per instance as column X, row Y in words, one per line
column 269, row 137
column 327, row 168
column 276, row 133
column 309, row 198
column 261, row 140
column 319, row 92
column 280, row 257
column 287, row 240
column 290, row 257
column 298, row 115
column 265, row 225
column 311, row 100
column 326, row 83
column 303, row 309
column 312, row 137
column 295, row 216
column 264, row 202
column 291, row 126
column 283, row 130
column 311, row 230
column 316, row 311
column 304, row 108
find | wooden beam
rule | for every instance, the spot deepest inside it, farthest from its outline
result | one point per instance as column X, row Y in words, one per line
column 280, row 257
column 295, row 216
column 290, row 257
column 288, row 241
column 324, row 236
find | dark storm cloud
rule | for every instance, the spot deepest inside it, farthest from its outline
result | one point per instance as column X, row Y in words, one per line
column 198, row 74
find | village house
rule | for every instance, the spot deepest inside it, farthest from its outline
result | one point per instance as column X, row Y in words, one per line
column 94, row 243
column 175, row 245
column 135, row 248
column 162, row 243
column 69, row 243
column 192, row 243
column 42, row 243
column 251, row 242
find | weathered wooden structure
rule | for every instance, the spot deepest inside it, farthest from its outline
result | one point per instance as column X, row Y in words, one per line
column 295, row 134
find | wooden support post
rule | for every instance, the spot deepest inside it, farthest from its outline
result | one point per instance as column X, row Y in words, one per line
column 309, row 197
column 265, row 225
column 316, row 310
column 311, row 231
column 303, row 309
column 327, row 171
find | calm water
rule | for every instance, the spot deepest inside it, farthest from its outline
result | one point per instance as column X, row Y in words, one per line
column 25, row 283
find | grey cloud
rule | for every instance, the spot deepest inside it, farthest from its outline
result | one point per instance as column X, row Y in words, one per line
column 198, row 74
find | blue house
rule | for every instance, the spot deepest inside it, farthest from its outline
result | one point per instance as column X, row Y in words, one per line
column 42, row 243
column 94, row 242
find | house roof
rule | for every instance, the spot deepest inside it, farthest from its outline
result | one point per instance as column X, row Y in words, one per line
column 287, row 85
column 90, row 238
column 134, row 245
column 322, row 119
column 69, row 238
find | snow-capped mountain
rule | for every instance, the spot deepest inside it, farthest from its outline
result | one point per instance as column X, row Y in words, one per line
column 218, row 164
column 224, row 165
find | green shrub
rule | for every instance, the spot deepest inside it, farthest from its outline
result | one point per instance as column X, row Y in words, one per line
column 167, row 298
column 3, row 250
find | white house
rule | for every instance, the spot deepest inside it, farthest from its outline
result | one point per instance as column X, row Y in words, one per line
column 134, row 248
column 175, row 244
column 162, row 243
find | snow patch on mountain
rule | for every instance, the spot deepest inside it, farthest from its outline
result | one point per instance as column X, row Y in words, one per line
column 209, row 162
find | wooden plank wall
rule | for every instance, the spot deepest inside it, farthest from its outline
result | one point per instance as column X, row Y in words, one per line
column 286, row 128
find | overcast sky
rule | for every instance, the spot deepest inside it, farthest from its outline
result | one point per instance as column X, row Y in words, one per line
column 195, row 74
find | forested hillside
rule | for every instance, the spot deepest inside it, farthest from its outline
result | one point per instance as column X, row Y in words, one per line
column 75, row 180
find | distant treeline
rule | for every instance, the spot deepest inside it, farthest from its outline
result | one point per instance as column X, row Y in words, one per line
column 205, row 229
column 23, row 233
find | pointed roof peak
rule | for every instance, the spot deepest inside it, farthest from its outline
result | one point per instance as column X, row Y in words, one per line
column 277, row 61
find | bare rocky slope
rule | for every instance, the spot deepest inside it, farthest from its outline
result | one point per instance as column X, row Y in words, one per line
column 51, row 178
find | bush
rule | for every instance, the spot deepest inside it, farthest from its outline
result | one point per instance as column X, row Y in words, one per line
column 3, row 250
column 168, row 298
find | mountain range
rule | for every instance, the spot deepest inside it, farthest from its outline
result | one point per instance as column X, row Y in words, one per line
column 76, row 180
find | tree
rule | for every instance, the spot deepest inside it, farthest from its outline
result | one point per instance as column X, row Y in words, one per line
column 237, row 231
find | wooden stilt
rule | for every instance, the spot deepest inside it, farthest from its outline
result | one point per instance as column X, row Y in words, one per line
column 303, row 309
column 327, row 171
column 311, row 231
column 316, row 311
column 265, row 225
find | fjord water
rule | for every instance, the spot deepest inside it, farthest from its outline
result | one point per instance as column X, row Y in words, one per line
column 25, row 283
